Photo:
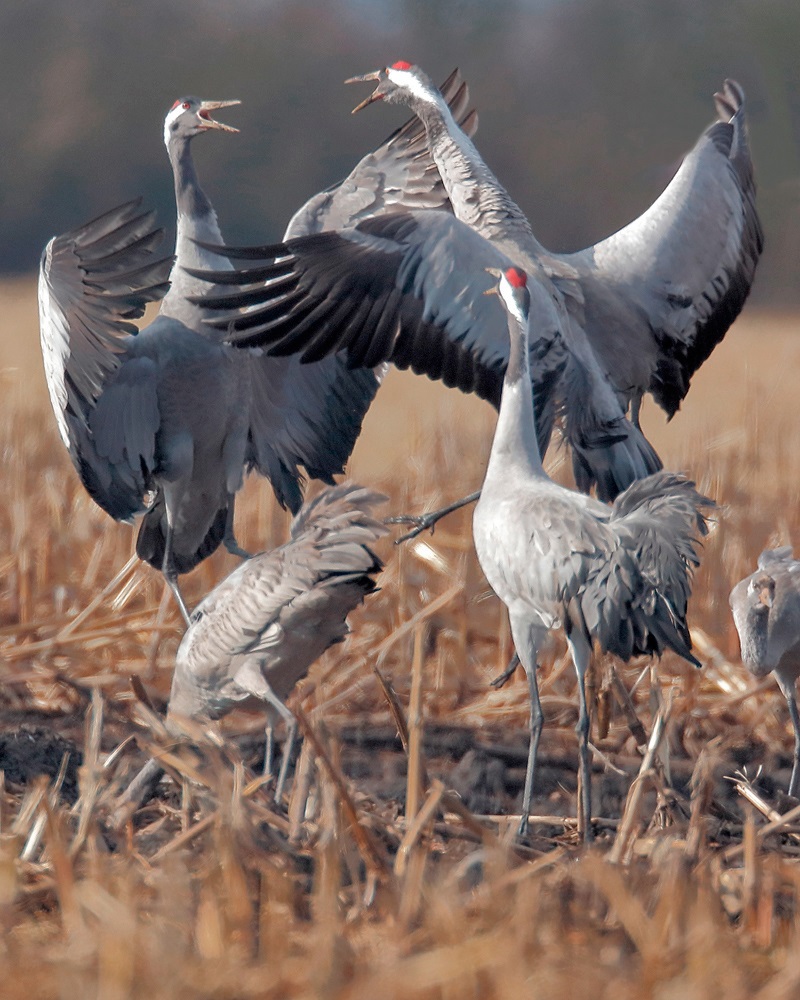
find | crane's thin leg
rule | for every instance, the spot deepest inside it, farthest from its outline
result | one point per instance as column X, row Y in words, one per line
column 786, row 685
column 229, row 538
column 250, row 678
column 581, row 654
column 139, row 791
column 288, row 747
column 269, row 747
column 507, row 674
column 422, row 522
column 536, row 723
column 171, row 574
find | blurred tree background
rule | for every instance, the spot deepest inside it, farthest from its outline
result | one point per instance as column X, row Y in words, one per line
column 586, row 106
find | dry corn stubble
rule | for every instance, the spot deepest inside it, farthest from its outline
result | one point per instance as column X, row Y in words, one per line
column 207, row 892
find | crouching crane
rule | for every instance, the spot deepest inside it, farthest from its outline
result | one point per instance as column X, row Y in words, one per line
column 260, row 630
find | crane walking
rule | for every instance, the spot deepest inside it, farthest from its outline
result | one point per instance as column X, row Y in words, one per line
column 258, row 631
column 619, row 576
column 174, row 411
column 766, row 612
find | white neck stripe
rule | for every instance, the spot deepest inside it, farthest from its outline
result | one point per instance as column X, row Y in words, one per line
column 408, row 81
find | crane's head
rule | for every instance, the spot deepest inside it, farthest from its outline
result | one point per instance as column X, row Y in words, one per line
column 512, row 287
column 751, row 601
column 189, row 116
column 400, row 83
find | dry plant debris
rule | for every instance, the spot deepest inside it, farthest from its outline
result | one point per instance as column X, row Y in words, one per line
column 391, row 870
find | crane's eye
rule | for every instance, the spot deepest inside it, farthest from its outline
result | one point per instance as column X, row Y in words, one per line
column 186, row 105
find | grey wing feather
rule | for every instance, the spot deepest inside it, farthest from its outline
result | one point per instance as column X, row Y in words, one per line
column 307, row 415
column 93, row 281
column 623, row 573
column 661, row 519
column 398, row 176
column 396, row 288
column 705, row 234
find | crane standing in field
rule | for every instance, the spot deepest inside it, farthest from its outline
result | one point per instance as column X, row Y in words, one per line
column 619, row 576
column 172, row 409
column 258, row 632
column 766, row 612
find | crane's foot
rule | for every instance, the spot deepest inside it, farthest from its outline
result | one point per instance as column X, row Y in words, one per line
column 235, row 549
column 506, row 675
column 427, row 522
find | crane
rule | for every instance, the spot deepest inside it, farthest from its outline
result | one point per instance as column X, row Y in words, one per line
column 653, row 300
column 766, row 612
column 642, row 313
column 619, row 576
column 174, row 411
column 258, row 632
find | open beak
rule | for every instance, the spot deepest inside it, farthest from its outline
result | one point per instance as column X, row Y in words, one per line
column 209, row 122
column 765, row 597
column 376, row 95
column 496, row 273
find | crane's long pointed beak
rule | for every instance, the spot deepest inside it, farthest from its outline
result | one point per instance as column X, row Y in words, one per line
column 206, row 106
column 374, row 96
column 496, row 273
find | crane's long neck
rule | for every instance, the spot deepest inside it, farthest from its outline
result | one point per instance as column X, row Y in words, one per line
column 197, row 220
column 514, row 446
column 477, row 196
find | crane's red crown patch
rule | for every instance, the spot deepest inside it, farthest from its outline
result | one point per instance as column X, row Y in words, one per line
column 402, row 64
column 516, row 277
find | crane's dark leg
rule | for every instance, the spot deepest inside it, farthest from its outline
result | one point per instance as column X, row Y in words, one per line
column 507, row 674
column 139, row 791
column 288, row 747
column 786, row 685
column 581, row 654
column 422, row 522
column 536, row 723
column 229, row 538
column 636, row 407
column 171, row 574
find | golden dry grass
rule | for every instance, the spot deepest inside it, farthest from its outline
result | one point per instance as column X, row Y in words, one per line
column 211, row 891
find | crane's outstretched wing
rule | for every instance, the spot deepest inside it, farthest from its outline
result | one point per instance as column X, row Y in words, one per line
column 398, row 176
column 93, row 281
column 407, row 288
column 307, row 415
column 401, row 288
column 686, row 264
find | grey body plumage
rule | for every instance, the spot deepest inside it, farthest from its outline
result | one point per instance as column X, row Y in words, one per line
column 766, row 612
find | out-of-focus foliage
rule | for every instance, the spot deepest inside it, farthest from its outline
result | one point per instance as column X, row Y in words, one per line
column 586, row 105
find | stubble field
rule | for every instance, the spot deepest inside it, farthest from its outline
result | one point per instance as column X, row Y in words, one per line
column 398, row 876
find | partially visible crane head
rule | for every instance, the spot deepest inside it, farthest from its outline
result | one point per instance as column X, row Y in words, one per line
column 512, row 287
column 189, row 116
column 751, row 601
column 400, row 83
